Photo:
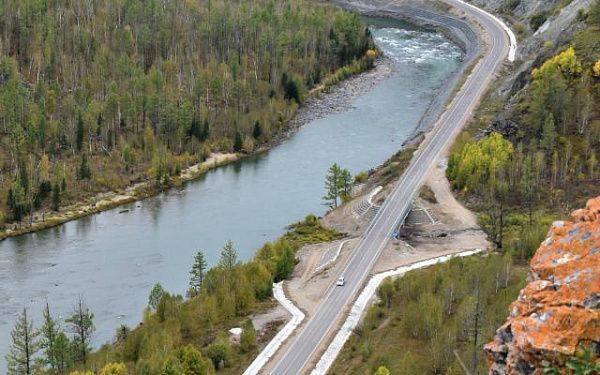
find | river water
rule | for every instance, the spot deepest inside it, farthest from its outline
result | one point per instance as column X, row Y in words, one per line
column 114, row 258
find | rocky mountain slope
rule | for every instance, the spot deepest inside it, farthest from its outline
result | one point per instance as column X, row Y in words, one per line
column 557, row 315
column 543, row 27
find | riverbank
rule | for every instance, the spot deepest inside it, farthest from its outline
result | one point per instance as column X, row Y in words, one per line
column 323, row 100
column 106, row 201
column 338, row 98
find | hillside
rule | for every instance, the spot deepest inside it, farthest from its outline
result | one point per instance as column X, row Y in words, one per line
column 96, row 96
column 532, row 152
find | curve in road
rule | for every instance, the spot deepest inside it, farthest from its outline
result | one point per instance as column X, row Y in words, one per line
column 396, row 207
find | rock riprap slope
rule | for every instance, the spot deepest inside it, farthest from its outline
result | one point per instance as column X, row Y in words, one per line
column 557, row 315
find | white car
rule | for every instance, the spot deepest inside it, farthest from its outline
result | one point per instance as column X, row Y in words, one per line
column 341, row 281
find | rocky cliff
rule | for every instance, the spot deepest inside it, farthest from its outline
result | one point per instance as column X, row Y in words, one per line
column 557, row 314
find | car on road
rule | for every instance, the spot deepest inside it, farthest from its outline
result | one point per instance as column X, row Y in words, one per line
column 341, row 281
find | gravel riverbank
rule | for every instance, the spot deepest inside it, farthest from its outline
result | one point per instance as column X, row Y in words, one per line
column 338, row 98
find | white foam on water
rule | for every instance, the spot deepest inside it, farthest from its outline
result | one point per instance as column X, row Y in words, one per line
column 416, row 47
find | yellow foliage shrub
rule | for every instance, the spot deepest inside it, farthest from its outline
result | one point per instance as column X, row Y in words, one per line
column 114, row 369
column 596, row 69
column 566, row 61
column 371, row 53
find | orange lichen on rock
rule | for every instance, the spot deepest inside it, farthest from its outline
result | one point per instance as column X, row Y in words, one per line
column 558, row 312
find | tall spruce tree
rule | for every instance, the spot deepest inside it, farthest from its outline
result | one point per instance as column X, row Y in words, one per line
column 257, row 130
column 20, row 359
column 238, row 142
column 49, row 331
column 229, row 256
column 332, row 186
column 62, row 353
column 198, row 271
column 56, row 197
column 156, row 294
column 82, row 326
column 345, row 184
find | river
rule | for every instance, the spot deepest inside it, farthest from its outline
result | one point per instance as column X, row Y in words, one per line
column 113, row 258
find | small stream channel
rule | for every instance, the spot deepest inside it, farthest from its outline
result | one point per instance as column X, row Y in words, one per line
column 114, row 258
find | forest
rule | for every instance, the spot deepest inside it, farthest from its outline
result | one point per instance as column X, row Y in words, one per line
column 177, row 335
column 98, row 95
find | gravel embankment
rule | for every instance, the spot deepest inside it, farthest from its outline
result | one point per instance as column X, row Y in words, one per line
column 338, row 98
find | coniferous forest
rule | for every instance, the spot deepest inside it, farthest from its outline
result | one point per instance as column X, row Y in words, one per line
column 97, row 95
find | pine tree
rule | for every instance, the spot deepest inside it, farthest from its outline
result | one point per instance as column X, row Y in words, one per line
column 62, row 353
column 238, row 142
column 257, row 131
column 20, row 359
column 195, row 129
column 345, row 184
column 248, row 337
column 332, row 186
column 205, row 131
column 55, row 197
column 285, row 264
column 82, row 326
column 84, row 172
column 197, row 272
column 49, row 331
column 155, row 296
column 229, row 256
column 218, row 352
column 548, row 134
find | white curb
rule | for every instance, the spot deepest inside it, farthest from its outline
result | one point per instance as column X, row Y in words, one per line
column 512, row 51
column 337, row 254
column 297, row 317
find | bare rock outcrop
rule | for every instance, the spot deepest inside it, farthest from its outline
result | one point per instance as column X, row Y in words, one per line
column 558, row 313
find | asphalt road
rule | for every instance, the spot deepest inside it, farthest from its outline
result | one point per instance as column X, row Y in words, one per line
column 396, row 207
